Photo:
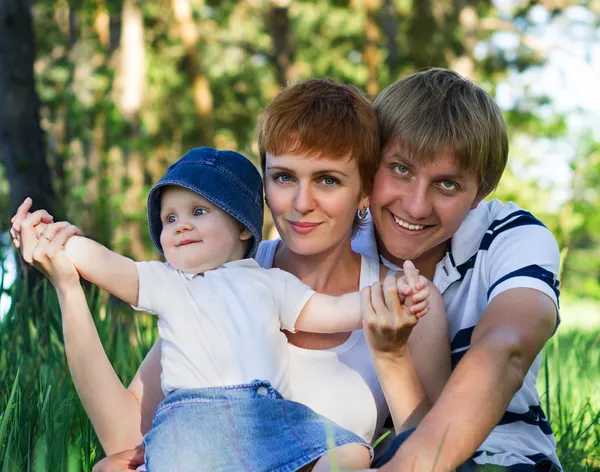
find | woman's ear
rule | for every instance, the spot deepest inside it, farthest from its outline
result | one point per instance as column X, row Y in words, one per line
column 245, row 233
column 364, row 202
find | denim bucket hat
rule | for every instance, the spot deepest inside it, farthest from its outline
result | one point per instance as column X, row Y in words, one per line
column 225, row 178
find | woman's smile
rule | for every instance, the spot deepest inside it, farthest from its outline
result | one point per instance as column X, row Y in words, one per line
column 302, row 227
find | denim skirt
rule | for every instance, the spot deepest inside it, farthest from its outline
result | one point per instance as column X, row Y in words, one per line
column 249, row 428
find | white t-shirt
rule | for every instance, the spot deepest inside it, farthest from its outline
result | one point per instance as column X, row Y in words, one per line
column 339, row 383
column 222, row 327
column 497, row 247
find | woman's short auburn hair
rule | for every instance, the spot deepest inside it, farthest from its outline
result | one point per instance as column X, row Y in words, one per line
column 322, row 118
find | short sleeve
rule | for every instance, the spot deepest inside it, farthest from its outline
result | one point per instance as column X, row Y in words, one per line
column 524, row 256
column 290, row 295
column 155, row 279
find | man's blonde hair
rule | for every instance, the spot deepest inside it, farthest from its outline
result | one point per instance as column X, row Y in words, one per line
column 438, row 110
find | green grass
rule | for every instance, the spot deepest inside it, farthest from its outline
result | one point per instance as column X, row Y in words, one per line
column 43, row 426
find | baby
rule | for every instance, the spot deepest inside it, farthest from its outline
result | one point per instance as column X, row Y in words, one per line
column 224, row 357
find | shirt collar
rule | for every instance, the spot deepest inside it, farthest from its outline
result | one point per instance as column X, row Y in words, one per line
column 466, row 241
column 248, row 263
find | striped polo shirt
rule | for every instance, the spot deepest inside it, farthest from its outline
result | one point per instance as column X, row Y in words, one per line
column 498, row 247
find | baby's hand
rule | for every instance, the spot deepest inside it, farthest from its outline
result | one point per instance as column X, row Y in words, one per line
column 414, row 290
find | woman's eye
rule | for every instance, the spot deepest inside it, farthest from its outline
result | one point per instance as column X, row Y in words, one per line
column 330, row 181
column 282, row 178
column 402, row 169
column 199, row 211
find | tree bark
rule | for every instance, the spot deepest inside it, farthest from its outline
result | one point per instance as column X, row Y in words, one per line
column 22, row 147
column 279, row 27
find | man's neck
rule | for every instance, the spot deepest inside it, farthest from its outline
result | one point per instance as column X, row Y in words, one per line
column 425, row 263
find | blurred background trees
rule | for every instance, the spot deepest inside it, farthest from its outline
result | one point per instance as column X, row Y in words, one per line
column 98, row 97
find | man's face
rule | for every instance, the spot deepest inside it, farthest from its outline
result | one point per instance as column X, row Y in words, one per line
column 417, row 207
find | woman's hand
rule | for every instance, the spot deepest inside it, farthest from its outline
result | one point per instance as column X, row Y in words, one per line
column 49, row 256
column 391, row 310
column 125, row 460
column 27, row 228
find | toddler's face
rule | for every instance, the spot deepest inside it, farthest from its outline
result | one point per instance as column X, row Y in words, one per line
column 197, row 236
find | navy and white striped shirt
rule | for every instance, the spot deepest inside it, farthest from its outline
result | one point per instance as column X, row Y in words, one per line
column 497, row 247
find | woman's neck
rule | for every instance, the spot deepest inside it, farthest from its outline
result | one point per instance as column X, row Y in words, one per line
column 334, row 272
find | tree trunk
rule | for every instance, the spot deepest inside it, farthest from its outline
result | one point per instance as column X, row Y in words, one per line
column 203, row 99
column 279, row 26
column 22, row 147
column 371, row 49
column 21, row 137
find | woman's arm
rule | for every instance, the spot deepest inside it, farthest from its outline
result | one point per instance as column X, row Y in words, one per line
column 413, row 373
column 387, row 326
column 120, row 416
column 429, row 345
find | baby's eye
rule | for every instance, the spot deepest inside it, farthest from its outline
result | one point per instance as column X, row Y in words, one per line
column 199, row 211
column 171, row 219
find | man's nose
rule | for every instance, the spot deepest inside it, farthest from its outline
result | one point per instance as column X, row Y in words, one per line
column 418, row 202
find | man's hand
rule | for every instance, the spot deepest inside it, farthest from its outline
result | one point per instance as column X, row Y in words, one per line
column 125, row 460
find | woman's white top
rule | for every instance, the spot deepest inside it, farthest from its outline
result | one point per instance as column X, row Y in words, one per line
column 339, row 383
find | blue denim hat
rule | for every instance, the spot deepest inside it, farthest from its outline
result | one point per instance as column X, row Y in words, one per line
column 225, row 178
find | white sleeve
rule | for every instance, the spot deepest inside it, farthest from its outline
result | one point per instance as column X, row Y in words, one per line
column 525, row 256
column 155, row 279
column 290, row 295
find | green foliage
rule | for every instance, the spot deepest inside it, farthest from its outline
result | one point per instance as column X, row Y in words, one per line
column 44, row 427
column 42, row 423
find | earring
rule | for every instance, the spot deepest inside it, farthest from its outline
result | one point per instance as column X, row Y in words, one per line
column 362, row 213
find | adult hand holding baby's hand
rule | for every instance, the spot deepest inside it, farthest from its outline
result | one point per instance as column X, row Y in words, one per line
column 391, row 310
column 27, row 228
column 49, row 256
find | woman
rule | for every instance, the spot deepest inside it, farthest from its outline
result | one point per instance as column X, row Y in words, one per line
column 319, row 146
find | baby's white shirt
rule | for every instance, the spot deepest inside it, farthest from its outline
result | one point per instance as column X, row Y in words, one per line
column 222, row 327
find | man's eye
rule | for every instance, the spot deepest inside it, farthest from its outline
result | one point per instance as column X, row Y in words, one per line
column 199, row 211
column 449, row 185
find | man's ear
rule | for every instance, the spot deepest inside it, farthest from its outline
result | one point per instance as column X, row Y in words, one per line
column 245, row 233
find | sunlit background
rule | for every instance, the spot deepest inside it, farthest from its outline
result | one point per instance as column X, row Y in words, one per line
column 104, row 94
column 126, row 88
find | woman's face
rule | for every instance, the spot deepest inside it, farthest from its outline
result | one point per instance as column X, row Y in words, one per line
column 313, row 200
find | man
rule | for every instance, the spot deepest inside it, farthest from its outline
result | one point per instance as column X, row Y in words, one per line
column 444, row 148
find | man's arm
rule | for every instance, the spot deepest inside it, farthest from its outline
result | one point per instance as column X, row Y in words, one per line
column 111, row 271
column 505, row 342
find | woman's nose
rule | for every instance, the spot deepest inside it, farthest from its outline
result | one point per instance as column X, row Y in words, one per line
column 304, row 201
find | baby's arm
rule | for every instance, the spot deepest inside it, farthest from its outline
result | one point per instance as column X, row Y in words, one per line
column 111, row 271
column 327, row 314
